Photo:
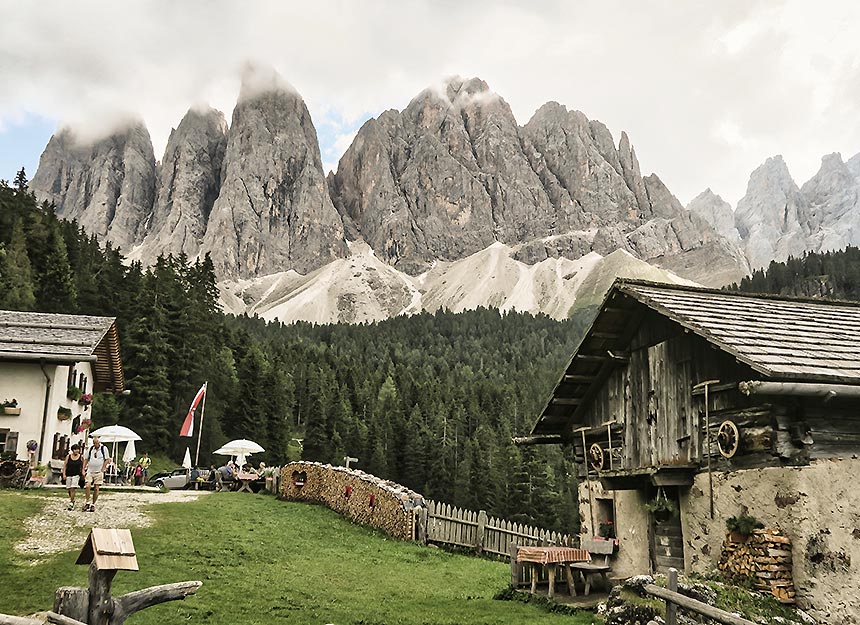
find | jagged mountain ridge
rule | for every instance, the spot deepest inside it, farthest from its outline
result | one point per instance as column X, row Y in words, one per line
column 776, row 219
column 454, row 173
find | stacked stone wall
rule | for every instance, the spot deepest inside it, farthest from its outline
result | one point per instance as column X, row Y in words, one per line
column 360, row 496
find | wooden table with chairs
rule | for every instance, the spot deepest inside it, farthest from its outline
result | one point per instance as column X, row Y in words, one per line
column 549, row 558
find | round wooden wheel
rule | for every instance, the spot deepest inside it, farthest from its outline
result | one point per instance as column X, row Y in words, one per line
column 728, row 439
column 595, row 457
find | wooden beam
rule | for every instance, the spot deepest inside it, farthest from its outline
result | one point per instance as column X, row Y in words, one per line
column 548, row 439
column 568, row 377
column 566, row 401
column 604, row 335
column 721, row 616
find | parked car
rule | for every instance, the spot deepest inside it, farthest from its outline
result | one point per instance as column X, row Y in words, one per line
column 177, row 479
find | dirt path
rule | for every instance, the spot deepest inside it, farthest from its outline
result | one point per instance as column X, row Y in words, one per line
column 56, row 529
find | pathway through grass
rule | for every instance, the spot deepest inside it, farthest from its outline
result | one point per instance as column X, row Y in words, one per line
column 264, row 561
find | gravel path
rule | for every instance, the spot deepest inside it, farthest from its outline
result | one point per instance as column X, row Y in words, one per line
column 56, row 529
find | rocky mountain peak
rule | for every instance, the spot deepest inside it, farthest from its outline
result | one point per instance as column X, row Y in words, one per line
column 189, row 180
column 717, row 212
column 273, row 212
column 107, row 185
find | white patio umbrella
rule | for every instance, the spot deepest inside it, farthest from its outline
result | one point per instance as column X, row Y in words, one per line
column 115, row 434
column 186, row 462
column 240, row 461
column 239, row 446
column 130, row 453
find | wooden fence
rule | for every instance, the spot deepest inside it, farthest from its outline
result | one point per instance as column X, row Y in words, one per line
column 448, row 525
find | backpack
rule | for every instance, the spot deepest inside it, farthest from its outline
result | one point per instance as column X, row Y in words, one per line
column 102, row 452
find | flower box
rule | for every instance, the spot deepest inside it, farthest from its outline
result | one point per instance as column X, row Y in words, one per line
column 64, row 414
column 12, row 412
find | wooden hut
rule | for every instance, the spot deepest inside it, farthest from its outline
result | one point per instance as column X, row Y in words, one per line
column 720, row 404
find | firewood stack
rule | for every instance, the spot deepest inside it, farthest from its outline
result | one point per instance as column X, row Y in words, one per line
column 764, row 557
column 362, row 497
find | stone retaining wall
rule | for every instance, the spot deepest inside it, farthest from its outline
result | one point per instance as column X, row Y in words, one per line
column 362, row 497
column 764, row 557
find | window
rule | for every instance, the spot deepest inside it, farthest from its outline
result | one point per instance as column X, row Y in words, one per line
column 70, row 380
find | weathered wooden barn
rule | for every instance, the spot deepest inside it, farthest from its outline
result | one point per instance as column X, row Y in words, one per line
column 721, row 403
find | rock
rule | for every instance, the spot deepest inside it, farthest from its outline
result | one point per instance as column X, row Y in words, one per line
column 107, row 185
column 776, row 219
column 189, row 180
column 637, row 583
column 717, row 212
column 274, row 212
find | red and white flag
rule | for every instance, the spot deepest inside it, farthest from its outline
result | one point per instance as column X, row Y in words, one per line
column 188, row 425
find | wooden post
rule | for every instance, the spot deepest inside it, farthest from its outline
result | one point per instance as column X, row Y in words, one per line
column 588, row 480
column 482, row 529
column 704, row 385
column 671, row 608
column 100, row 608
column 421, row 525
column 515, row 567
column 72, row 602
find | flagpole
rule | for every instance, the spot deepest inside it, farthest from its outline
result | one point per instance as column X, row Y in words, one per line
column 200, row 429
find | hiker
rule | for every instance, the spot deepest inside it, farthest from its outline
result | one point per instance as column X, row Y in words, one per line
column 96, row 460
column 73, row 470
column 144, row 462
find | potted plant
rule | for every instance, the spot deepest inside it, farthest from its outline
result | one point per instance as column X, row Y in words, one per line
column 741, row 526
column 662, row 508
column 73, row 393
column 64, row 414
column 85, row 400
column 606, row 529
column 10, row 407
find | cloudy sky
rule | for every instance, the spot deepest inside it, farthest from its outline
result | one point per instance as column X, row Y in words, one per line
column 706, row 90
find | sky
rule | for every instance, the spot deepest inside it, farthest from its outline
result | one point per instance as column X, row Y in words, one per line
column 706, row 90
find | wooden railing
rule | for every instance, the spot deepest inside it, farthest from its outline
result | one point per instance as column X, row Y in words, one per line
column 448, row 525
column 675, row 600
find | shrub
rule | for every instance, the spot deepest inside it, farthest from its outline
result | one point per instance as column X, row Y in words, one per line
column 743, row 524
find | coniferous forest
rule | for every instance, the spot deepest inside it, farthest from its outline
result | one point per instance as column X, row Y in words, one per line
column 830, row 274
column 430, row 401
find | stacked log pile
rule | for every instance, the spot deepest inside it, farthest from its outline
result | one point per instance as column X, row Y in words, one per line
column 13, row 473
column 763, row 557
column 362, row 497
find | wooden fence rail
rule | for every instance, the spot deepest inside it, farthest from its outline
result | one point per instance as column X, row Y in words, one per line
column 675, row 600
column 449, row 525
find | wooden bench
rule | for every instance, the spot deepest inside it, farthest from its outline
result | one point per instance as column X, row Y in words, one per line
column 548, row 558
column 597, row 565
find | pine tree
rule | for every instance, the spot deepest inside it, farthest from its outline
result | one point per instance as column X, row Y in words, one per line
column 16, row 281
column 21, row 181
column 56, row 291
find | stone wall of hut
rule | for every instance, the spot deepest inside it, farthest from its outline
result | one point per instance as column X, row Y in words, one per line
column 362, row 497
column 817, row 507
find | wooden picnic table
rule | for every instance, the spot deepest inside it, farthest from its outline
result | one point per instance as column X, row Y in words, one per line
column 549, row 558
column 245, row 480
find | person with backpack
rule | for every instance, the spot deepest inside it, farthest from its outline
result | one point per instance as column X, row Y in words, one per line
column 73, row 471
column 96, row 461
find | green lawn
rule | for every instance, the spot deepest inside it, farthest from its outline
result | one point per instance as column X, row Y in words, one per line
column 266, row 561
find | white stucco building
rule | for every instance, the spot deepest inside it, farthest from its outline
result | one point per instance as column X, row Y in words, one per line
column 42, row 357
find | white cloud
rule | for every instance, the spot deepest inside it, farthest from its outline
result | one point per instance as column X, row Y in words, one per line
column 706, row 90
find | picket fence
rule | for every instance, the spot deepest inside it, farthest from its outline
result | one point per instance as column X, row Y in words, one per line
column 445, row 524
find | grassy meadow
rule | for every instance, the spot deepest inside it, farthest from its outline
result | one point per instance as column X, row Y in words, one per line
column 264, row 561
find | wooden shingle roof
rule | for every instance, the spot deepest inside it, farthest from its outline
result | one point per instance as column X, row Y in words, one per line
column 781, row 338
column 63, row 339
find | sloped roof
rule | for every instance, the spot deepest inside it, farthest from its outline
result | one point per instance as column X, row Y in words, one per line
column 782, row 338
column 57, row 338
